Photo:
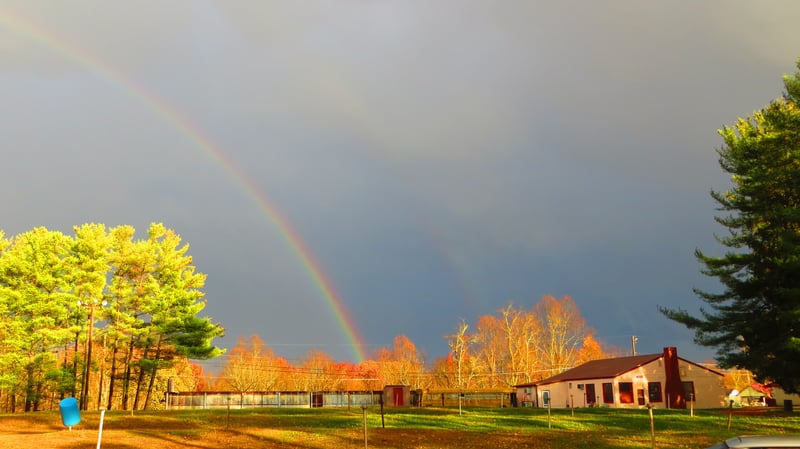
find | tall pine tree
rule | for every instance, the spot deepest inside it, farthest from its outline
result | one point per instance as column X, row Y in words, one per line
column 754, row 322
column 34, row 297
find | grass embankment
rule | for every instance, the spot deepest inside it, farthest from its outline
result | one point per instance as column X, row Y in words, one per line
column 405, row 428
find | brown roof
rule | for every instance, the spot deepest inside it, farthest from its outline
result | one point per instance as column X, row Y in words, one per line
column 598, row 369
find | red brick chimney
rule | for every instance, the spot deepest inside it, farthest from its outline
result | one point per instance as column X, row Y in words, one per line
column 673, row 387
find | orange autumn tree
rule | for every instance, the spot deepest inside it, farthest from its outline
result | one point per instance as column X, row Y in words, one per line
column 590, row 350
column 522, row 332
column 518, row 346
column 402, row 365
column 351, row 375
column 488, row 340
column 738, row 379
column 319, row 372
column 506, row 346
column 467, row 366
column 369, row 373
column 187, row 376
column 249, row 367
column 284, row 371
column 564, row 329
column 444, row 373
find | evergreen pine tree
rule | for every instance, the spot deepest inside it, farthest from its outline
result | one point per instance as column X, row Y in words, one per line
column 754, row 322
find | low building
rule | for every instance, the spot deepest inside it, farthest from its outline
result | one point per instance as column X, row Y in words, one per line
column 397, row 395
column 784, row 399
column 661, row 380
column 754, row 395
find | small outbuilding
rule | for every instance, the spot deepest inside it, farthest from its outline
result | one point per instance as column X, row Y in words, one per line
column 661, row 380
column 755, row 395
column 397, row 395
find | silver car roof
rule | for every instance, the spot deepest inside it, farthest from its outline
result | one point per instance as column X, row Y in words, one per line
column 764, row 441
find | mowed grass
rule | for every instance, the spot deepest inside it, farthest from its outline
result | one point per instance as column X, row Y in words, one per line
column 400, row 427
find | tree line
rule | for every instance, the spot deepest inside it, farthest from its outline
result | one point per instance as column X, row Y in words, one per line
column 113, row 321
column 512, row 347
column 97, row 315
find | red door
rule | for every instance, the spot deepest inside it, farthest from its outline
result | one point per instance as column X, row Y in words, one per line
column 590, row 395
column 397, row 396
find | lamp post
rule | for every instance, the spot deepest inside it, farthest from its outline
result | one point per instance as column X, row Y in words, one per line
column 86, row 370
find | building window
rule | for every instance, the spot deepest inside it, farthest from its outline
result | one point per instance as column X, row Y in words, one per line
column 608, row 393
column 654, row 391
column 527, row 397
column 688, row 389
column 626, row 392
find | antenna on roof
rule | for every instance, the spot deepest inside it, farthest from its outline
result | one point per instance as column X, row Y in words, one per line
column 634, row 339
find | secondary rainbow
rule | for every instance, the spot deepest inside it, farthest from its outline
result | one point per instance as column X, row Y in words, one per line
column 200, row 140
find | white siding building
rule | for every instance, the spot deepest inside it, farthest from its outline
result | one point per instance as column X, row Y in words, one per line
column 662, row 380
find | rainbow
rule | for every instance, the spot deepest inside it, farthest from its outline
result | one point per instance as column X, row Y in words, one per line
column 29, row 30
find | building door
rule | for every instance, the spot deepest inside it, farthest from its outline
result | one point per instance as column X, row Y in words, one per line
column 591, row 398
column 640, row 395
column 397, row 396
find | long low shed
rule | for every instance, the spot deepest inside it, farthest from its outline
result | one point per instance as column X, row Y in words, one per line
column 224, row 399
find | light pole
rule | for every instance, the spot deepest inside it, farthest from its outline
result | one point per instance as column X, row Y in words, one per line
column 85, row 390
column 634, row 339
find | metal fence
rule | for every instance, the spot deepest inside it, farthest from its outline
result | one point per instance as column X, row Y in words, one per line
column 224, row 399
column 430, row 398
column 449, row 398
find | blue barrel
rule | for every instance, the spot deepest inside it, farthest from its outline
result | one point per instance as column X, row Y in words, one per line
column 70, row 414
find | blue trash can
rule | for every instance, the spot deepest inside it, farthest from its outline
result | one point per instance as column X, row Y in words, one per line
column 70, row 414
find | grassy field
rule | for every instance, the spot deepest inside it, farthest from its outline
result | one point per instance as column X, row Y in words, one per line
column 402, row 428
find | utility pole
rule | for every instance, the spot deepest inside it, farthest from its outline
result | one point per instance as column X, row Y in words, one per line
column 634, row 339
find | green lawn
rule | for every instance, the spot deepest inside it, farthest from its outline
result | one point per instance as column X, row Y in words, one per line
column 583, row 427
column 401, row 427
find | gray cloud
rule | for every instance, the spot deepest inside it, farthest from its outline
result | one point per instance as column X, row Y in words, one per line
column 461, row 153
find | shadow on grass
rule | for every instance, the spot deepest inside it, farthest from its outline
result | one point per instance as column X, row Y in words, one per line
column 82, row 445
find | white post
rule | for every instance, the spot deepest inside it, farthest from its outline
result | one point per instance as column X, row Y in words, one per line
column 364, row 411
column 652, row 426
column 548, row 416
column 100, row 432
